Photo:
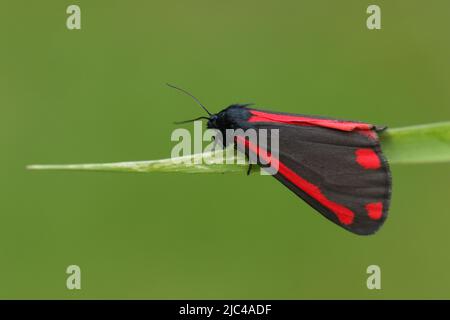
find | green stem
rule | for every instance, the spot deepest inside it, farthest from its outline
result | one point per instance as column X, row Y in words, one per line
column 416, row 144
column 429, row 143
column 186, row 164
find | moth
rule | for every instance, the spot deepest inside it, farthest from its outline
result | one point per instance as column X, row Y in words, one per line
column 336, row 166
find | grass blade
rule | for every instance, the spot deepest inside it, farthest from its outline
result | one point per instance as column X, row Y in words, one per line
column 428, row 143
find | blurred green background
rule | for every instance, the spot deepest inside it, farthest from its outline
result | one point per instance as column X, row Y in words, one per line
column 98, row 95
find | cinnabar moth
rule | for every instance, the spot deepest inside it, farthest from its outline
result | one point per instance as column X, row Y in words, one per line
column 336, row 166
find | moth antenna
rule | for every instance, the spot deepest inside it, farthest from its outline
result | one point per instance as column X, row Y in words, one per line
column 192, row 120
column 196, row 100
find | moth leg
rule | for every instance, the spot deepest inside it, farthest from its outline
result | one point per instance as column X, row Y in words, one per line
column 217, row 141
column 249, row 169
column 215, row 144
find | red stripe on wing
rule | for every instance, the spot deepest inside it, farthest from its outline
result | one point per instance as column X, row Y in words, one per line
column 259, row 116
column 345, row 215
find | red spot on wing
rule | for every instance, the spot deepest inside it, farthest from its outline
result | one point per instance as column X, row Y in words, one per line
column 259, row 116
column 344, row 214
column 374, row 210
column 367, row 158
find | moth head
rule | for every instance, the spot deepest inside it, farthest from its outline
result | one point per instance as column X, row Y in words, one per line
column 213, row 121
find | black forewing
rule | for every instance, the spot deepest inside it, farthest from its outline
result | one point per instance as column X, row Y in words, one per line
column 327, row 158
